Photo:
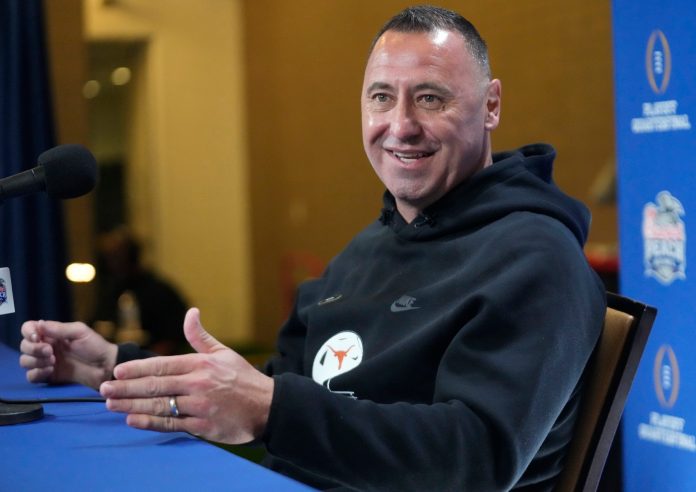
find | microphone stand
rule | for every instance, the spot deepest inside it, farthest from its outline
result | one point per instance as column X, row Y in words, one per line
column 18, row 413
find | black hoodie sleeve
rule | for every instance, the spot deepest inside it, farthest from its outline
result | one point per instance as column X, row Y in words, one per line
column 506, row 388
column 290, row 348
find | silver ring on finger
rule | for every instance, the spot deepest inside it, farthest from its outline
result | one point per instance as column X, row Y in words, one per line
column 173, row 409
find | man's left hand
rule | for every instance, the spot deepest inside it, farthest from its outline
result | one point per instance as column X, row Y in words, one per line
column 218, row 394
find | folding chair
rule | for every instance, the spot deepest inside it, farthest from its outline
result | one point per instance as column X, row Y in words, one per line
column 613, row 365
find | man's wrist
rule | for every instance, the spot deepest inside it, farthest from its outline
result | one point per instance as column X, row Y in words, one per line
column 110, row 358
column 268, row 387
column 102, row 369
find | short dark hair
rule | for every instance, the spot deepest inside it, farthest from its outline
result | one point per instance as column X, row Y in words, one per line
column 427, row 18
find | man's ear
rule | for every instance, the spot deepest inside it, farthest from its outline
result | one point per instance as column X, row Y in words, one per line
column 493, row 94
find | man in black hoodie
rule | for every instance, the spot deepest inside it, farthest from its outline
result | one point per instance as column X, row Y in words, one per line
column 443, row 349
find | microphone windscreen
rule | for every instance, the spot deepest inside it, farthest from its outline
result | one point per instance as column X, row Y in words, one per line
column 70, row 171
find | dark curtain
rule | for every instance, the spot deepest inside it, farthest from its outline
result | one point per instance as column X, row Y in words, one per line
column 31, row 227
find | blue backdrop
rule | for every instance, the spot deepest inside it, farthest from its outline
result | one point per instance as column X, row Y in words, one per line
column 31, row 239
column 655, row 75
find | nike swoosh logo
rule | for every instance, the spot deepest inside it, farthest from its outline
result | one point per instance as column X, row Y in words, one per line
column 397, row 308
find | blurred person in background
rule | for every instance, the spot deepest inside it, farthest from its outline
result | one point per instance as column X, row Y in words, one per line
column 135, row 304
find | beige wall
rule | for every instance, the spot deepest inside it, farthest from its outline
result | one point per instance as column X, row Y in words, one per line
column 68, row 71
column 187, row 163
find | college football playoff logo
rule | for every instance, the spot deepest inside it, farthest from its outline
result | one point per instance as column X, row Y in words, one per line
column 658, row 62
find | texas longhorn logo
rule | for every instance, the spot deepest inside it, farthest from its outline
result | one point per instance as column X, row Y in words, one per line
column 341, row 353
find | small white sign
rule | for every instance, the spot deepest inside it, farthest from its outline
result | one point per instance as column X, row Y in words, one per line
column 6, row 297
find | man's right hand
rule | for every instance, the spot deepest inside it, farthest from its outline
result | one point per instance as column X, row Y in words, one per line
column 54, row 352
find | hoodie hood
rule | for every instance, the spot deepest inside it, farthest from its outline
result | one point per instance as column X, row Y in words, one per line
column 517, row 181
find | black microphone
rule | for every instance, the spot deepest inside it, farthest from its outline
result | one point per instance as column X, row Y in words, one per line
column 66, row 171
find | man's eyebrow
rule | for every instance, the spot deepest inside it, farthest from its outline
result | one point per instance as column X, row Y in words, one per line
column 374, row 86
column 430, row 86
column 425, row 86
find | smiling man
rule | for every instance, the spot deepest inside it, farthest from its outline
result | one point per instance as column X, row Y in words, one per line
column 443, row 349
column 428, row 109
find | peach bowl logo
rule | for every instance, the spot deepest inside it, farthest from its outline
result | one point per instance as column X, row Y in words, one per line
column 3, row 291
column 664, row 239
column 666, row 376
column 658, row 62
column 341, row 353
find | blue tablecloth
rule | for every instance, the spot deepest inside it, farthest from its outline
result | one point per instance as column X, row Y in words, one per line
column 83, row 446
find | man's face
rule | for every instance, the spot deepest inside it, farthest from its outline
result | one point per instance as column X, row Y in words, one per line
column 427, row 111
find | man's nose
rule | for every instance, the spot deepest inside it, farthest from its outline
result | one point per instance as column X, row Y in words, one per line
column 405, row 124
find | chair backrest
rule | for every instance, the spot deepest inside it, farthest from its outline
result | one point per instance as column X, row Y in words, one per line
column 613, row 365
